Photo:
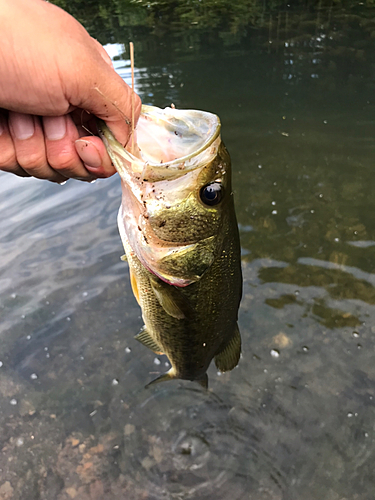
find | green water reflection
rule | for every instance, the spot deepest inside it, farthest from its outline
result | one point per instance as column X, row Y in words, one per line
column 296, row 418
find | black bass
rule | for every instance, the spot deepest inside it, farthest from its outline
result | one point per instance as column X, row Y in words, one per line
column 179, row 230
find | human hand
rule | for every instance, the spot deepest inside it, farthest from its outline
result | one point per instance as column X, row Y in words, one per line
column 54, row 79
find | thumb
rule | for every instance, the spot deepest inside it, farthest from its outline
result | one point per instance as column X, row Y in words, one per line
column 104, row 94
column 103, row 52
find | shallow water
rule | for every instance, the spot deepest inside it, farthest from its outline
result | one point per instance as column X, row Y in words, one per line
column 295, row 420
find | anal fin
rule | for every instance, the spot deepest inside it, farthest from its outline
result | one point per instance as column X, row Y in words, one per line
column 229, row 356
column 145, row 338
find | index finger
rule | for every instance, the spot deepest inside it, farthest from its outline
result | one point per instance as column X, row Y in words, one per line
column 108, row 97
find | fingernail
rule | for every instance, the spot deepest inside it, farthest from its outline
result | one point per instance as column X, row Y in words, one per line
column 88, row 153
column 22, row 125
column 54, row 127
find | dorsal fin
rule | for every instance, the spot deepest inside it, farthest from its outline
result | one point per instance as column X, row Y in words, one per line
column 171, row 299
column 145, row 338
column 229, row 356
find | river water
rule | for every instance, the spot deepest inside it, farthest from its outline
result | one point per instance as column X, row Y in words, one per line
column 295, row 419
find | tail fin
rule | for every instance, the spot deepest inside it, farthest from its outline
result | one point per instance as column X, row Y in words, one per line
column 203, row 382
column 171, row 374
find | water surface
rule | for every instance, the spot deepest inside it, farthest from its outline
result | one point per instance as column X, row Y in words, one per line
column 295, row 420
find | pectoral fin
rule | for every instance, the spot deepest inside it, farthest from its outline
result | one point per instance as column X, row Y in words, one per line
column 133, row 282
column 228, row 357
column 171, row 299
column 145, row 338
column 124, row 258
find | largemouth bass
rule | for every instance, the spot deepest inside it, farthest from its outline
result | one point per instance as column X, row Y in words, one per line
column 179, row 230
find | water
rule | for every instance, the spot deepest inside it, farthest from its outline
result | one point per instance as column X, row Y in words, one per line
column 296, row 418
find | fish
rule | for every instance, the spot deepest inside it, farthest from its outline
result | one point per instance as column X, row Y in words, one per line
column 178, row 226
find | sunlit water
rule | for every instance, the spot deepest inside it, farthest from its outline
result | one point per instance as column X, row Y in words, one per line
column 295, row 420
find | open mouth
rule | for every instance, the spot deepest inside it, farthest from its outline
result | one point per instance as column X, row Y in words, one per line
column 169, row 136
column 168, row 143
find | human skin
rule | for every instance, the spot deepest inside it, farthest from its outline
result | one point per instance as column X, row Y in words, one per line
column 54, row 78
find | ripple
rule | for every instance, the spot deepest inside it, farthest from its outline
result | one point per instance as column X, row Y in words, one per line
column 193, row 445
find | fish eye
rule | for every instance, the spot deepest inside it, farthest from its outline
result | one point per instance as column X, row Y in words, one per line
column 212, row 193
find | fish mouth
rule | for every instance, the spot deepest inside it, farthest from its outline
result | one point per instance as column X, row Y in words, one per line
column 188, row 135
column 168, row 143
